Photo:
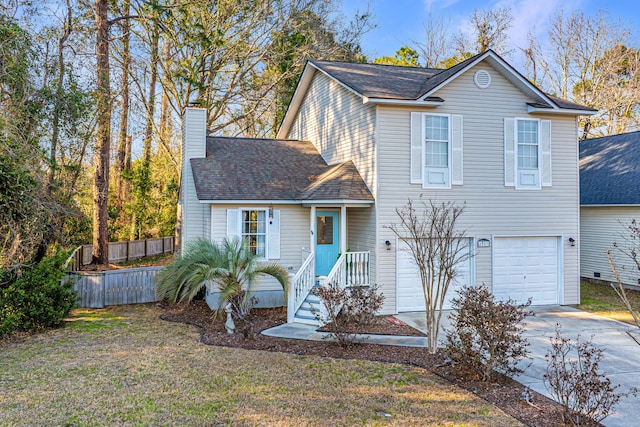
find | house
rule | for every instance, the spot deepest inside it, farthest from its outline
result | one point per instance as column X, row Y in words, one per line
column 609, row 200
column 360, row 140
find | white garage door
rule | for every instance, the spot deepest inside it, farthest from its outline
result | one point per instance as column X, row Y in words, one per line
column 410, row 296
column 526, row 267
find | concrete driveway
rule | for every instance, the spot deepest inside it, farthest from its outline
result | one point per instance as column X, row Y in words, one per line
column 621, row 356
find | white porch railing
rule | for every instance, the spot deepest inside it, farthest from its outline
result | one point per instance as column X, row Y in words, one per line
column 300, row 287
column 351, row 269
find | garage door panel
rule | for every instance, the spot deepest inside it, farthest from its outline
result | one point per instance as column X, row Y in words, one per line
column 410, row 296
column 526, row 267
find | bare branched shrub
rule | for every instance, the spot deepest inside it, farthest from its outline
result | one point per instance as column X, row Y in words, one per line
column 438, row 249
column 347, row 308
column 486, row 335
column 630, row 251
column 574, row 379
column 363, row 304
column 334, row 298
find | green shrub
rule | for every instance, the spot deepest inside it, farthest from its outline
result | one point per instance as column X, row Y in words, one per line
column 34, row 298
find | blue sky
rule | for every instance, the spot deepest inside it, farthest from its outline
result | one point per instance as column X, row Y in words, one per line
column 402, row 21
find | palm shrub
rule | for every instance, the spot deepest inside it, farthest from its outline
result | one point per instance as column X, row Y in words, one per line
column 228, row 266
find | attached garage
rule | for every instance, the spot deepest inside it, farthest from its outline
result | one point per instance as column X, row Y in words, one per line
column 410, row 296
column 527, row 267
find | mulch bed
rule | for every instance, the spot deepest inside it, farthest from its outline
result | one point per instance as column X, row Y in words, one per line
column 505, row 393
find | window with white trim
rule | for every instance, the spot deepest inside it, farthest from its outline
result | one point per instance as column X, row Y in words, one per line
column 527, row 139
column 254, row 231
column 436, row 151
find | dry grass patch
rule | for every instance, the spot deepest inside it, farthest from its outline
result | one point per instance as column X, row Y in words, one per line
column 124, row 366
column 602, row 300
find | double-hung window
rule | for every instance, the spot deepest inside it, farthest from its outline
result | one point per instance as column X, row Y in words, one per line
column 258, row 228
column 436, row 151
column 254, row 231
column 528, row 153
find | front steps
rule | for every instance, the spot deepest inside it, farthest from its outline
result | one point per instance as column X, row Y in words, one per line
column 305, row 312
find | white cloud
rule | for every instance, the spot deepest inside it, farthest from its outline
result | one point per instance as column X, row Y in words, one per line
column 529, row 15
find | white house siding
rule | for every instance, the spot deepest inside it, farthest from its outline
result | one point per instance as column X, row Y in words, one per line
column 600, row 228
column 491, row 208
column 294, row 236
column 339, row 125
column 361, row 234
column 195, row 218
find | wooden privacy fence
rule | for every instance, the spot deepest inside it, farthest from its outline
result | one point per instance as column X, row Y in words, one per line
column 124, row 251
column 115, row 287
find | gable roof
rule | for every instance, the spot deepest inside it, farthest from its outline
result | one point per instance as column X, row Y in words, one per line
column 379, row 83
column 273, row 170
column 610, row 170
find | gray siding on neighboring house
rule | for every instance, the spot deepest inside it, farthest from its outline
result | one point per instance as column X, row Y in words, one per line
column 195, row 219
column 339, row 125
column 294, row 235
column 600, row 228
column 492, row 209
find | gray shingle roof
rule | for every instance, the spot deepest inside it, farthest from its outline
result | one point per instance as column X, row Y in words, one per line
column 610, row 170
column 271, row 169
column 405, row 83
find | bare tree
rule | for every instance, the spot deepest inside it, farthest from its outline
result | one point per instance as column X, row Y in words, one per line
column 438, row 248
column 434, row 46
column 489, row 29
column 630, row 252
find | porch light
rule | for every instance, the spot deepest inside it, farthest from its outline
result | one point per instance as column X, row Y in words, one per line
column 572, row 241
column 271, row 212
column 388, row 244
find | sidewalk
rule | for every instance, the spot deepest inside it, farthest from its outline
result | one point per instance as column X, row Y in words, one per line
column 299, row 331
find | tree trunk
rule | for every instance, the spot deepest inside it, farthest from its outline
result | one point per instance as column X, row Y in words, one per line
column 123, row 161
column 153, row 78
column 103, row 136
column 57, row 107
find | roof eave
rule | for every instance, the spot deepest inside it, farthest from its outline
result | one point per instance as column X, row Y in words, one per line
column 305, row 202
column 410, row 102
column 296, row 100
column 566, row 111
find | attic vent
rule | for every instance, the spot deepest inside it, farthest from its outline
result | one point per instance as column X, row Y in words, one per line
column 482, row 79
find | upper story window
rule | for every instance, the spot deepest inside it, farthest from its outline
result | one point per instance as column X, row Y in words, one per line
column 527, row 153
column 254, row 231
column 527, row 137
column 436, row 150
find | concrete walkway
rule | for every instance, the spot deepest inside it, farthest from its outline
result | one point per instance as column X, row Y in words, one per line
column 299, row 331
column 621, row 356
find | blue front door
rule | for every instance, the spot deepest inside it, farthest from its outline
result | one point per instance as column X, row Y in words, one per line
column 327, row 246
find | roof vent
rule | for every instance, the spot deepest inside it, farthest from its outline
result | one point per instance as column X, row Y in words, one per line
column 482, row 79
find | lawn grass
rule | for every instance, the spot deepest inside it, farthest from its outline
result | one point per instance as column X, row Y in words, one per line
column 124, row 366
column 603, row 300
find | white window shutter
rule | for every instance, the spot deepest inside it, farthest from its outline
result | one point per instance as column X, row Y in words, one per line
column 273, row 239
column 456, row 149
column 509, row 152
column 233, row 223
column 416, row 148
column 545, row 151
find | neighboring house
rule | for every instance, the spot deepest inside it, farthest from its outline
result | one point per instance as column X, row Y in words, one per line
column 609, row 200
column 359, row 140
